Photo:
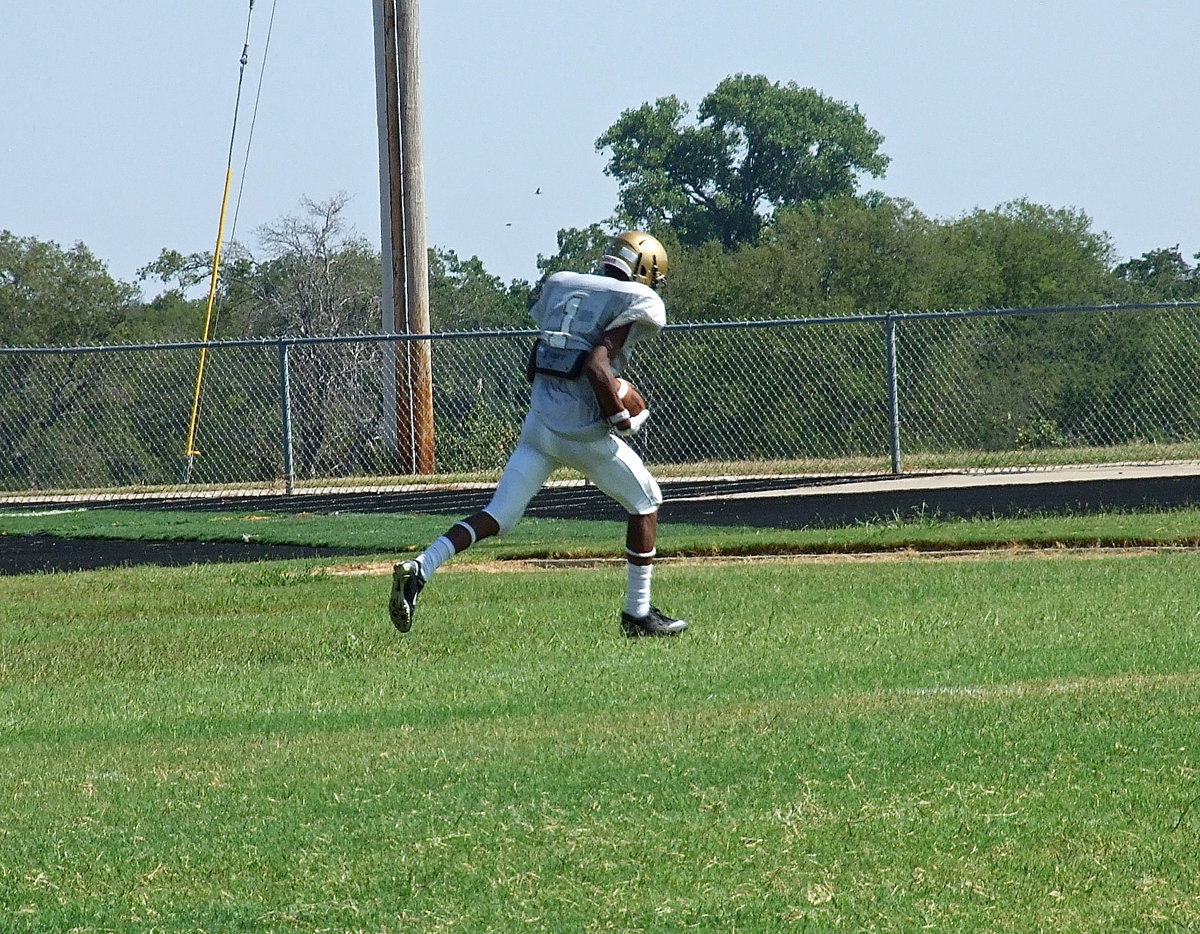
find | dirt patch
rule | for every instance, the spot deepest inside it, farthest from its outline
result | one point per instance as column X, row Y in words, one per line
column 502, row 565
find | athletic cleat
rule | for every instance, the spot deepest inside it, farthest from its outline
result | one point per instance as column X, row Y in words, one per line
column 654, row 623
column 407, row 581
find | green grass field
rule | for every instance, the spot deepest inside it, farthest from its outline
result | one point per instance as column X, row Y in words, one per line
column 1005, row 743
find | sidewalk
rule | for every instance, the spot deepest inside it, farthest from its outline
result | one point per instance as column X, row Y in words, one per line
column 1064, row 489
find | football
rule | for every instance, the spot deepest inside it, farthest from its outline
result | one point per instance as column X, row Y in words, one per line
column 630, row 397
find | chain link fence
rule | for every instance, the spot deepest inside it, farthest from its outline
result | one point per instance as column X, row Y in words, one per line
column 863, row 395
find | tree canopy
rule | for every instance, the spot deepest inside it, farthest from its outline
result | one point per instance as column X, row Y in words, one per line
column 877, row 254
column 464, row 296
column 757, row 203
column 758, row 146
column 1161, row 275
column 52, row 296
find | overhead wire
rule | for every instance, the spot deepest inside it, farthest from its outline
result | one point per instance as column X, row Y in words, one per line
column 253, row 119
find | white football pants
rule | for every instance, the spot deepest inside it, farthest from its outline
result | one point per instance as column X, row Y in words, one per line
column 608, row 462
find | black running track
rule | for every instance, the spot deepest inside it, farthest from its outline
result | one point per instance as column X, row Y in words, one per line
column 35, row 554
column 723, row 501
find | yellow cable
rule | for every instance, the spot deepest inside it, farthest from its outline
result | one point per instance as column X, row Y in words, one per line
column 191, row 451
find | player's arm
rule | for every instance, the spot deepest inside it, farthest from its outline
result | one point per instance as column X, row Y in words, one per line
column 597, row 367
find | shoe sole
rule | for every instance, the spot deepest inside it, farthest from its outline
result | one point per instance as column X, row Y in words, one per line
column 398, row 607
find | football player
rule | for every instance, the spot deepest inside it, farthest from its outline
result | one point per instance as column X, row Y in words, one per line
column 588, row 323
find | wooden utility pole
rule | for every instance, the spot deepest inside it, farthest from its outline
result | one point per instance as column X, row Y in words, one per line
column 408, row 365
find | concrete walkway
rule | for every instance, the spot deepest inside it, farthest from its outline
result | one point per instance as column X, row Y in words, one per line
column 1060, row 489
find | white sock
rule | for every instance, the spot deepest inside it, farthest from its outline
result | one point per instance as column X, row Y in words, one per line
column 637, row 588
column 437, row 554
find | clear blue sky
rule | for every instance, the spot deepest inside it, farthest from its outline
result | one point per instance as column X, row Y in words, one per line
column 117, row 115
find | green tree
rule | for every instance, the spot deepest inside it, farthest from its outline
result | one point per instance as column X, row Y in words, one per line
column 1035, row 255
column 169, row 316
column 757, row 146
column 845, row 256
column 55, row 297
column 49, row 403
column 464, row 296
column 579, row 249
column 476, row 388
column 841, row 256
column 311, row 277
column 1161, row 275
column 182, row 307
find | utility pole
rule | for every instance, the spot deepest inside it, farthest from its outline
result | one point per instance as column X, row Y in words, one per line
column 405, row 292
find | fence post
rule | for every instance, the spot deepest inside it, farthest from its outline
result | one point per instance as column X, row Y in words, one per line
column 285, row 409
column 893, row 392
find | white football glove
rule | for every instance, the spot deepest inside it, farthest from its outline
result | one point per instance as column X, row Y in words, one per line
column 635, row 424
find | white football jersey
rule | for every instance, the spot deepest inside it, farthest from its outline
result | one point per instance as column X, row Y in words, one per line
column 573, row 313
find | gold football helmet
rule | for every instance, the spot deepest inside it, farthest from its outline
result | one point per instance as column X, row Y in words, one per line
column 640, row 256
